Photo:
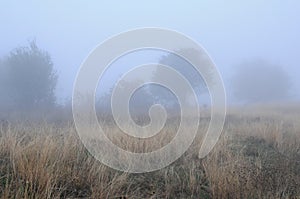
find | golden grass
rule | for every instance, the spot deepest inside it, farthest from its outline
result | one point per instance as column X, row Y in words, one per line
column 257, row 156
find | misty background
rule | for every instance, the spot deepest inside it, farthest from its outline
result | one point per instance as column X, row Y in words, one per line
column 254, row 44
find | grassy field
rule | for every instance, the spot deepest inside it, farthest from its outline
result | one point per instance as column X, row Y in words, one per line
column 257, row 156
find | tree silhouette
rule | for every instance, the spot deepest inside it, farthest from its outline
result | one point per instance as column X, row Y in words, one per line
column 186, row 70
column 260, row 81
column 28, row 78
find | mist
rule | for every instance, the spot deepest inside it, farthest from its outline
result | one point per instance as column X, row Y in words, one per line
column 149, row 99
column 234, row 34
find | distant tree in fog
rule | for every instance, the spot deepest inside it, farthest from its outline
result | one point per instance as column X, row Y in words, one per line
column 139, row 102
column 150, row 94
column 260, row 81
column 186, row 70
column 27, row 78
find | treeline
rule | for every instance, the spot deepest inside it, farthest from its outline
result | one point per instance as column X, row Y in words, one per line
column 28, row 82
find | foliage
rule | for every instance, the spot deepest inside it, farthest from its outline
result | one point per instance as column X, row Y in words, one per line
column 28, row 79
column 184, row 68
column 260, row 81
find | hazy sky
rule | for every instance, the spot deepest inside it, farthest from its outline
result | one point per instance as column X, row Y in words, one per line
column 231, row 31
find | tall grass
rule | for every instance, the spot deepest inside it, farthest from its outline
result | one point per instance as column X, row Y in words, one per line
column 257, row 156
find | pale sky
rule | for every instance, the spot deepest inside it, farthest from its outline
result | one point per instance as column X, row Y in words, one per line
column 231, row 31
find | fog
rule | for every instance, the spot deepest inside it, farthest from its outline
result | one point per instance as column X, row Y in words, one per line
column 234, row 33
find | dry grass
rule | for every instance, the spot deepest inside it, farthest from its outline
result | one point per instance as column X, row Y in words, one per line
column 258, row 156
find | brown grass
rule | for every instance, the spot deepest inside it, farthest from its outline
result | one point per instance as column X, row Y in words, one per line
column 258, row 156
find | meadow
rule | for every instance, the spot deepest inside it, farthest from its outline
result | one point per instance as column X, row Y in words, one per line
column 257, row 156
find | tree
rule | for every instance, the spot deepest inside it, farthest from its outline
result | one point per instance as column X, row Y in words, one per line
column 260, row 81
column 186, row 70
column 30, row 80
column 150, row 94
column 139, row 103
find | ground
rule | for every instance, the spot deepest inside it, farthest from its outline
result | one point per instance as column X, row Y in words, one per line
column 257, row 156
